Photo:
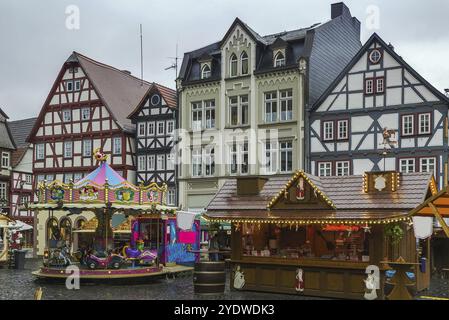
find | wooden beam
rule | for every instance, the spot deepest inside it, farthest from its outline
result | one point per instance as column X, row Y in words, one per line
column 440, row 219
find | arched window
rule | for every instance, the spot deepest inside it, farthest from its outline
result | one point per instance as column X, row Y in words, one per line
column 205, row 72
column 279, row 60
column 66, row 230
column 233, row 65
column 53, row 233
column 244, row 59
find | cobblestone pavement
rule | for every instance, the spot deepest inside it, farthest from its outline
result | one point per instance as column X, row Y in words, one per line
column 21, row 284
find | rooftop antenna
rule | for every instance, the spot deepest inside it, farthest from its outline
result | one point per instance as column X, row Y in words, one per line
column 141, row 56
column 174, row 64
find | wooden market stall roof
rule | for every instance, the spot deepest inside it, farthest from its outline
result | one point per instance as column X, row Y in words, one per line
column 345, row 199
column 436, row 206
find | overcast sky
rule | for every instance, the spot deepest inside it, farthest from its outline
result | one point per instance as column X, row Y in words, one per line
column 35, row 41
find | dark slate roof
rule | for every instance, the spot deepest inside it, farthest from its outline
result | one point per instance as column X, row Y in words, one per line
column 346, row 193
column 20, row 130
column 6, row 140
column 328, row 46
column 375, row 38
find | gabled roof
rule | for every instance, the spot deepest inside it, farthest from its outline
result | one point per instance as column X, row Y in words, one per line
column 17, row 156
column 20, row 130
column 119, row 91
column 253, row 34
column 169, row 96
column 6, row 139
column 375, row 37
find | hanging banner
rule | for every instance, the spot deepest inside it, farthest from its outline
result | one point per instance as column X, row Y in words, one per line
column 185, row 220
column 423, row 227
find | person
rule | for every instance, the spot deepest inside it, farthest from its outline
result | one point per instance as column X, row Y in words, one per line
column 213, row 246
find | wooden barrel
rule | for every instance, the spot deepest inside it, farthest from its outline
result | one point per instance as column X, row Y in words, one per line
column 209, row 277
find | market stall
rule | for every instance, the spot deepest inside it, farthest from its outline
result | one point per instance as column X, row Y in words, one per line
column 154, row 236
column 322, row 236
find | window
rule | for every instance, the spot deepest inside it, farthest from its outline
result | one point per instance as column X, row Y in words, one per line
column 160, row 128
column 141, row 163
column 324, row 169
column 209, row 106
column 197, row 116
column 286, row 105
column 68, row 177
column 407, row 165
column 85, row 113
column 77, row 177
column 40, row 178
column 286, row 152
column 141, row 126
column 68, row 149
column 271, row 107
column 379, row 85
column 160, row 162
column 77, row 85
column 209, row 162
column 196, row 162
column 50, row 177
column 28, row 179
column 427, row 165
column 424, row 123
column 375, row 56
column 408, row 125
column 170, row 126
column 5, row 160
column 40, row 151
column 151, row 164
column 69, row 86
column 244, row 62
column 279, row 60
column 239, row 157
column 342, row 168
column 244, row 110
column 328, row 130
column 233, row 65
column 205, row 72
column 155, row 100
column 3, row 191
column 271, row 157
column 170, row 161
column 342, row 129
column 87, row 148
column 234, row 110
column 150, row 128
column 171, row 196
column 117, row 145
column 67, row 115
column 239, row 110
column 369, row 88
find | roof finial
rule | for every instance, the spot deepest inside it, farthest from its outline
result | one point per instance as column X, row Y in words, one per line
column 99, row 155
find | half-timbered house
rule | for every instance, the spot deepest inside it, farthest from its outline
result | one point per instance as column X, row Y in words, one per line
column 7, row 147
column 155, row 120
column 22, row 175
column 86, row 109
column 379, row 114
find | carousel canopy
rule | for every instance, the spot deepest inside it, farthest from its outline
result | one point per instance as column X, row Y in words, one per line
column 102, row 175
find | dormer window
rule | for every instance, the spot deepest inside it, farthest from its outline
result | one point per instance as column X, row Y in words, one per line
column 233, row 65
column 244, row 59
column 279, row 60
column 205, row 72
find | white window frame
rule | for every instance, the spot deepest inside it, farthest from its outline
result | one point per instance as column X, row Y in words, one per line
column 77, row 85
column 234, row 106
column 85, row 113
column 141, row 163
column 406, row 163
column 171, row 196
column 209, row 114
column 68, row 149
column 197, row 115
column 244, row 59
column 342, row 168
column 327, row 166
column 206, row 71
column 66, row 115
column 116, row 147
column 285, row 148
column 328, row 131
column 428, row 115
column 239, row 157
column 279, row 61
column 40, row 151
column 411, row 117
column 426, row 161
column 170, row 127
column 160, row 126
column 87, row 148
column 369, row 86
column 5, row 160
column 233, row 65
column 68, row 177
column 286, row 104
column 380, row 85
column 151, row 128
column 345, row 134
column 28, row 178
column 77, row 176
column 170, row 161
column 196, row 162
column 141, row 129
column 209, row 161
column 160, row 162
column 69, row 86
column 4, row 191
column 271, row 157
column 151, row 162
column 271, row 105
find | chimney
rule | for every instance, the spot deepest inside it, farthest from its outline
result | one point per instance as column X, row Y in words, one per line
column 338, row 9
column 247, row 186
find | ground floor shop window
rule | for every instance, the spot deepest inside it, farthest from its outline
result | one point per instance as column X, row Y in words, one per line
column 330, row 242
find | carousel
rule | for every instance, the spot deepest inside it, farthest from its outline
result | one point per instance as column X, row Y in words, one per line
column 150, row 238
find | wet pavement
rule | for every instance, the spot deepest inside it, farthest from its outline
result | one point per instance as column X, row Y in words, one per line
column 21, row 285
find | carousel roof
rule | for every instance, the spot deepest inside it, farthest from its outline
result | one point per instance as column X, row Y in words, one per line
column 104, row 173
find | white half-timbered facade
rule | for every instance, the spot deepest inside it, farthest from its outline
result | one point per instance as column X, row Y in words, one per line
column 155, row 121
column 379, row 114
column 86, row 109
